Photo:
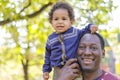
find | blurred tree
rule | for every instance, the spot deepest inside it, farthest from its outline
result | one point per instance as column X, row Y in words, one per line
column 93, row 11
column 26, row 27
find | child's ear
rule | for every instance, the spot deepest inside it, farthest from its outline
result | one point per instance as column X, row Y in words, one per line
column 72, row 21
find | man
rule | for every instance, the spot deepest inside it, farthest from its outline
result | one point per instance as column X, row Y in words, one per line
column 90, row 53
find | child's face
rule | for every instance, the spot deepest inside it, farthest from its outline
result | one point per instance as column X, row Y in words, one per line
column 61, row 21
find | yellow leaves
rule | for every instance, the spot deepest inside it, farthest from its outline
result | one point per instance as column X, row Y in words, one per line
column 118, row 68
column 53, row 1
column 40, row 51
column 104, row 33
column 42, row 61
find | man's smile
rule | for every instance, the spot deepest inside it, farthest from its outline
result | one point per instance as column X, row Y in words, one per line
column 87, row 60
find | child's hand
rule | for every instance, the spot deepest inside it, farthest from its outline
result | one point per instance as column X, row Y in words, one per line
column 93, row 28
column 46, row 75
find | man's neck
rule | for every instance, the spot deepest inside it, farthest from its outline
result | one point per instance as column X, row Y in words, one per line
column 92, row 75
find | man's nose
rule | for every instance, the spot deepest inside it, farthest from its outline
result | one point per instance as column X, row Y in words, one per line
column 87, row 51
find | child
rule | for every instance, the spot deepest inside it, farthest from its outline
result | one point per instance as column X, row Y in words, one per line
column 62, row 44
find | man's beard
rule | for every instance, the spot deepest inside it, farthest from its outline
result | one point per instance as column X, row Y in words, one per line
column 87, row 70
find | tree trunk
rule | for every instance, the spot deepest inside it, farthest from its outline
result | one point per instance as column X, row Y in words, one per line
column 111, row 61
column 25, row 69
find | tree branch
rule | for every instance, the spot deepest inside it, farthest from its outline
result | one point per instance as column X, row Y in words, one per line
column 5, row 21
column 39, row 11
column 8, row 20
column 25, row 7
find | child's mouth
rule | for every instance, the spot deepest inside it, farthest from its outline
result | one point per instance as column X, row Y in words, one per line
column 60, row 27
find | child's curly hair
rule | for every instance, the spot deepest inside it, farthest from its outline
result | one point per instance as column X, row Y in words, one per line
column 62, row 5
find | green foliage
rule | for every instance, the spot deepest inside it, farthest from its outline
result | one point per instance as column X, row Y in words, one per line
column 26, row 23
column 94, row 11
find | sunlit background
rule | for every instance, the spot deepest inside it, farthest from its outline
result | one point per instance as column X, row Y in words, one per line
column 24, row 29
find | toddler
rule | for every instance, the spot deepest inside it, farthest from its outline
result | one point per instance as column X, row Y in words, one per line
column 62, row 44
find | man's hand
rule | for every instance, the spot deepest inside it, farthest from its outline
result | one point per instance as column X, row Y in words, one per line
column 93, row 28
column 46, row 75
column 70, row 71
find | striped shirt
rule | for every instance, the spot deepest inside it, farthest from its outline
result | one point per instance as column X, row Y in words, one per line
column 54, row 49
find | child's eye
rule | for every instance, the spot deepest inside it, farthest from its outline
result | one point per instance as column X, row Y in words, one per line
column 55, row 19
column 64, row 19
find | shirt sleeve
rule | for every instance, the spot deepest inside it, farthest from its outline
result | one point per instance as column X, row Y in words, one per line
column 47, row 66
column 86, row 29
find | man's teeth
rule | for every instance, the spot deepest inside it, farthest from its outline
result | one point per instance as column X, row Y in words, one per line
column 87, row 59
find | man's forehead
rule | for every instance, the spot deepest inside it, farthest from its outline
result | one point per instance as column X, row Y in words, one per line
column 89, row 36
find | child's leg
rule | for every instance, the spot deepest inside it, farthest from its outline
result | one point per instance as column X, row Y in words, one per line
column 55, row 73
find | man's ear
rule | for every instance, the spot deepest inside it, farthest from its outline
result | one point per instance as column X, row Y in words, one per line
column 103, row 52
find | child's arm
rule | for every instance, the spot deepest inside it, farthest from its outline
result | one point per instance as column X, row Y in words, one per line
column 90, row 28
column 45, row 75
column 47, row 66
column 93, row 28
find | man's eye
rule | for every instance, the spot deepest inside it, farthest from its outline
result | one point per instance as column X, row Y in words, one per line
column 81, row 47
column 94, row 48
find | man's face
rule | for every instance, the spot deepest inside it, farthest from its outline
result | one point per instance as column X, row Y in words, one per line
column 90, row 53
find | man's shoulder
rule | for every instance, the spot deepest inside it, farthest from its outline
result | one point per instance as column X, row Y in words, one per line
column 109, row 76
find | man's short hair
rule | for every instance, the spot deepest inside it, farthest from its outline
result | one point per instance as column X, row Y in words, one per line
column 100, row 37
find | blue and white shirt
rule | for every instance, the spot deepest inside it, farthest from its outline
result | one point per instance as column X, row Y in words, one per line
column 54, row 49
